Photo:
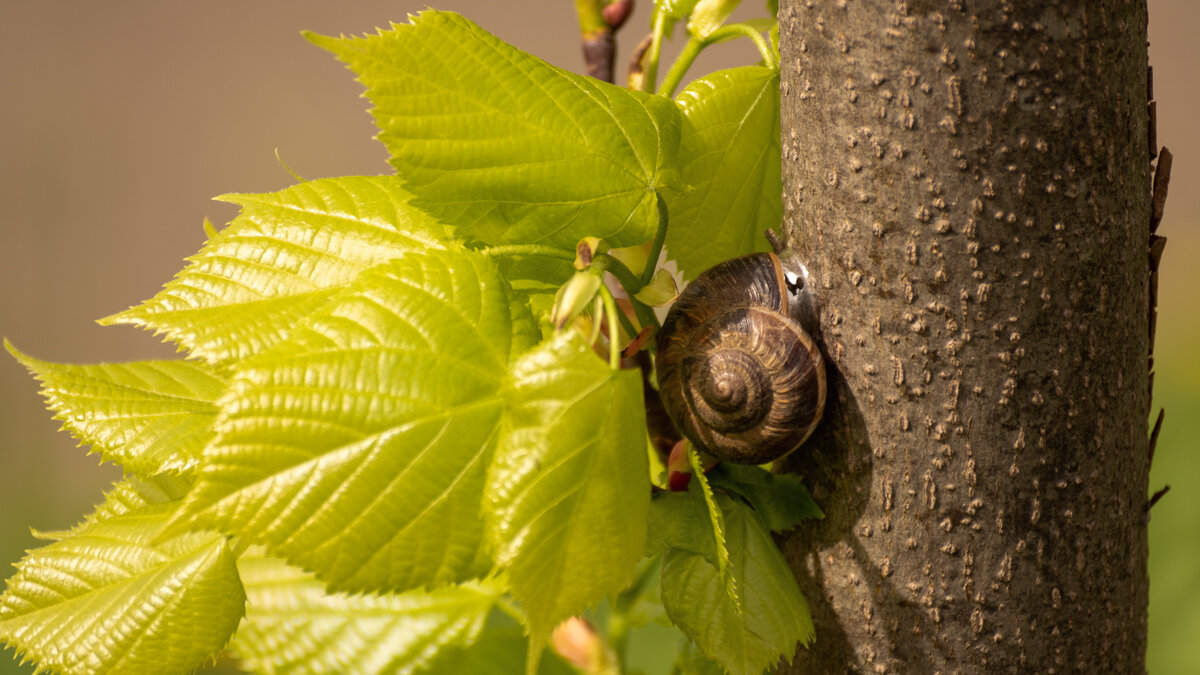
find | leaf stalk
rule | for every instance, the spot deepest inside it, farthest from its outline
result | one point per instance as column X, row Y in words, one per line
column 660, row 236
column 653, row 55
column 614, row 330
column 683, row 62
column 520, row 250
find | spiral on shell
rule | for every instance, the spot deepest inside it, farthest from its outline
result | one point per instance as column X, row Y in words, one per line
column 738, row 372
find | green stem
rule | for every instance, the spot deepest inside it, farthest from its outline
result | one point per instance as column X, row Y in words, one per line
column 764, row 49
column 614, row 330
column 678, row 69
column 696, row 45
column 659, row 237
column 518, row 250
column 618, row 637
column 655, row 52
column 631, row 283
column 618, row 621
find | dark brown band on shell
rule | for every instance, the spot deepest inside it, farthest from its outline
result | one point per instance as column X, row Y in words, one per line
column 740, row 378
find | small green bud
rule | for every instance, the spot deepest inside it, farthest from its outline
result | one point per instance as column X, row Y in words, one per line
column 575, row 296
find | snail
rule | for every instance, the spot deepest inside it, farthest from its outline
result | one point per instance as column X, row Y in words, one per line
column 738, row 370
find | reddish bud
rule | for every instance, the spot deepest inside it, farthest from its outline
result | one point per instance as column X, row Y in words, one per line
column 615, row 13
column 679, row 469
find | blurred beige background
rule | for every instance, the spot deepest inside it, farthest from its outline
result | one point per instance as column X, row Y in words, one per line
column 120, row 121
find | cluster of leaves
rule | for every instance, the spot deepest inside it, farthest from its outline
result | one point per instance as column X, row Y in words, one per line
column 383, row 454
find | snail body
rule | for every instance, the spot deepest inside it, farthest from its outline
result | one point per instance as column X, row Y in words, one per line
column 738, row 370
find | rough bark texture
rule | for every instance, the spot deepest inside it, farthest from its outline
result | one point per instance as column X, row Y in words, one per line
column 969, row 182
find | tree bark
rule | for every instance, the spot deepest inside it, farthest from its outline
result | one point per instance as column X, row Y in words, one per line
column 969, row 183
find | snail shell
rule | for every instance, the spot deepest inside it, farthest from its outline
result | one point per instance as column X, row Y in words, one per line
column 738, row 372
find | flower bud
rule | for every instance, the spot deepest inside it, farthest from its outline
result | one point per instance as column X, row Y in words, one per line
column 615, row 13
column 575, row 296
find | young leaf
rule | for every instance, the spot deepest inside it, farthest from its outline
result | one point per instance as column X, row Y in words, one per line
column 731, row 157
column 279, row 260
column 717, row 528
column 568, row 492
column 109, row 598
column 676, row 9
column 708, row 15
column 357, row 448
column 774, row 616
column 508, row 147
column 294, row 626
column 130, row 495
column 149, row 417
column 780, row 500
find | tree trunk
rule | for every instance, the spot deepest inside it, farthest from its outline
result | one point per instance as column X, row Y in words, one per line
column 969, row 183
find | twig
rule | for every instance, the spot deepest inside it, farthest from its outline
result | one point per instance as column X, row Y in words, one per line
column 598, row 22
column 636, row 78
column 1158, row 198
column 1154, row 436
column 1154, row 500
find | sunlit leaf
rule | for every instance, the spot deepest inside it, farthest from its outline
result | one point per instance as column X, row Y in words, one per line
column 111, row 598
column 358, row 447
column 731, row 157
column 280, row 260
column 148, row 416
column 568, row 494
column 294, row 626
column 508, row 147
column 130, row 495
column 708, row 15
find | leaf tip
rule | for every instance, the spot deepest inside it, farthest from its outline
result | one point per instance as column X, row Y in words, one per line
column 121, row 317
column 33, row 365
column 12, row 349
column 327, row 42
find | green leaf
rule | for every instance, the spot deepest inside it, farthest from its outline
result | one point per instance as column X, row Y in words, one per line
column 508, row 147
column 780, row 500
column 568, row 493
column 731, row 157
column 708, row 15
column 717, row 527
column 690, row 661
column 358, row 447
column 680, row 520
column 676, row 9
column 280, row 260
column 774, row 616
column 149, row 417
column 673, row 11
column 112, row 598
column 294, row 626
column 130, row 495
